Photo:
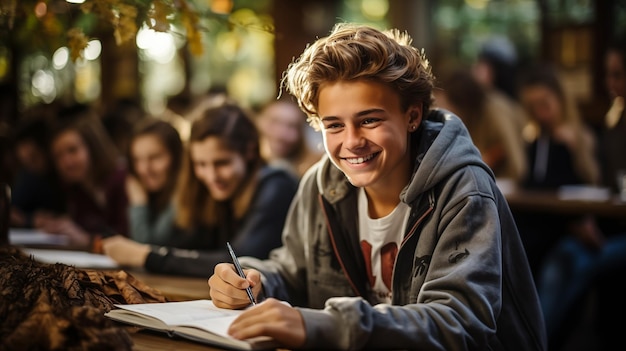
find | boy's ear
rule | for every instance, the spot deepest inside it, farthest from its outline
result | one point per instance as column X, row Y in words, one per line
column 415, row 117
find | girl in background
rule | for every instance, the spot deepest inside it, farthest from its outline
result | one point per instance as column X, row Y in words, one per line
column 93, row 181
column 560, row 152
column 227, row 193
column 562, row 148
column 155, row 157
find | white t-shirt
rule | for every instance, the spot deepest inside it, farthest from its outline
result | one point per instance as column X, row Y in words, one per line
column 380, row 241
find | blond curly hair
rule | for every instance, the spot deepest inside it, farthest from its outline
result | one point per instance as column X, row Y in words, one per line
column 358, row 52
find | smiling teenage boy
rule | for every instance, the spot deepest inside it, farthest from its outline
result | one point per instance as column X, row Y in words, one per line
column 399, row 237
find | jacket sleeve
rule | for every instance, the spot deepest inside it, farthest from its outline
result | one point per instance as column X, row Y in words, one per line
column 456, row 308
column 257, row 236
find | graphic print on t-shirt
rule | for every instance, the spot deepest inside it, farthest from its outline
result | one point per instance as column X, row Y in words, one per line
column 381, row 264
column 380, row 240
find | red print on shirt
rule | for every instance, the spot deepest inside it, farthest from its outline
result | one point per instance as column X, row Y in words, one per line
column 387, row 259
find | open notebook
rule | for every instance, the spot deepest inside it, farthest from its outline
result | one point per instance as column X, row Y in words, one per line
column 197, row 320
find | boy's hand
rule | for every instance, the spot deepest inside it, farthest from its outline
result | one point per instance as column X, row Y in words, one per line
column 227, row 288
column 272, row 318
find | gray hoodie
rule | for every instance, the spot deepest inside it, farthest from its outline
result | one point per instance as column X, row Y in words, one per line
column 461, row 280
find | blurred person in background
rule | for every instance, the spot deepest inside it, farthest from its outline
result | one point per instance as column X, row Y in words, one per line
column 93, row 181
column 496, row 70
column 561, row 152
column 499, row 143
column 155, row 156
column 561, row 147
column 574, row 269
column 36, row 187
column 282, row 127
column 613, row 136
column 227, row 193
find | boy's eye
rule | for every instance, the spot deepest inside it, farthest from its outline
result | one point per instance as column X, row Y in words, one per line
column 333, row 126
column 370, row 120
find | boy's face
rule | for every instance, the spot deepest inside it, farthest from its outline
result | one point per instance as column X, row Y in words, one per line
column 366, row 132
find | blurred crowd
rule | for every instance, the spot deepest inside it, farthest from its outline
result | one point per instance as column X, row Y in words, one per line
column 167, row 192
column 531, row 132
column 161, row 192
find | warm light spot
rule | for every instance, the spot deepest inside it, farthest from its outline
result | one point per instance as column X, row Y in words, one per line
column 477, row 4
column 93, row 50
column 75, row 1
column 41, row 9
column 4, row 66
column 158, row 46
column 43, row 86
column 221, row 6
column 229, row 44
column 375, row 9
column 60, row 58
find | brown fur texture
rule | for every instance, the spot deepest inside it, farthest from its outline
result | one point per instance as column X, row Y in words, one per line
column 60, row 307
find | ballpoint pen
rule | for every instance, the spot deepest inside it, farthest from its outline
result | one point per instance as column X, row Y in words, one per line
column 240, row 271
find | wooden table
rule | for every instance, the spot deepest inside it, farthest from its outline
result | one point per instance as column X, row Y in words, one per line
column 144, row 340
column 175, row 288
column 551, row 202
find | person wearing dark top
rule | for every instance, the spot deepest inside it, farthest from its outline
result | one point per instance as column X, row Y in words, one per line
column 36, row 187
column 562, row 154
column 613, row 135
column 227, row 193
column 93, row 182
column 574, row 269
column 551, row 164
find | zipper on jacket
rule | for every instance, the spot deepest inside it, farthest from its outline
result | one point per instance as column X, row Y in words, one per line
column 332, row 240
column 431, row 207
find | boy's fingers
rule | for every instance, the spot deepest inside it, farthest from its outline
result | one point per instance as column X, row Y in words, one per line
column 227, row 273
column 253, row 276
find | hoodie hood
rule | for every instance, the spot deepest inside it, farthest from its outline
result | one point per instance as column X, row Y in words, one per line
column 441, row 146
